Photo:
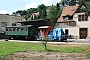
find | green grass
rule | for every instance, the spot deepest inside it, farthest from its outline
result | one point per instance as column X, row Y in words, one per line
column 7, row 48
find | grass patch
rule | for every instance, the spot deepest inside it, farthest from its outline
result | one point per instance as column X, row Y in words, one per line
column 7, row 48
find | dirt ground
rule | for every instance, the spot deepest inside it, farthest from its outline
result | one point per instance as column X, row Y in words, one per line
column 33, row 55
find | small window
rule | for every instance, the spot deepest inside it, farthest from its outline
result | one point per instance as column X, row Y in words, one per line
column 57, row 24
column 82, row 17
column 79, row 18
column 25, row 29
column 3, row 24
column 44, row 30
column 14, row 29
column 18, row 29
column 10, row 29
column 6, row 29
column 22, row 29
column 13, row 24
column 66, row 18
column 66, row 31
column 86, row 17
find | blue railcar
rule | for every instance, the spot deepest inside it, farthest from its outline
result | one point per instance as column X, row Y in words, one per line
column 57, row 34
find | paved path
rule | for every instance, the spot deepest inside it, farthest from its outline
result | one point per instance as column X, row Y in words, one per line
column 70, row 41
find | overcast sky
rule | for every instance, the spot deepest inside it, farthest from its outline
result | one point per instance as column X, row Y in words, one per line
column 9, row 6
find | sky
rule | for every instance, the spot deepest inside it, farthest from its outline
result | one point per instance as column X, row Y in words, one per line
column 10, row 6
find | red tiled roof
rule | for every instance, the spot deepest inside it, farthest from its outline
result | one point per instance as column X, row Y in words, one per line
column 37, row 13
column 22, row 17
column 68, row 10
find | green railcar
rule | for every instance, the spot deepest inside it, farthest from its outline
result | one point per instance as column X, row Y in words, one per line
column 21, row 32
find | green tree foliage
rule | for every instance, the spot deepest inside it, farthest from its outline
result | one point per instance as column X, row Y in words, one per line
column 7, row 14
column 86, row 11
column 35, row 17
column 59, row 13
column 30, row 12
column 58, row 6
column 24, row 12
column 83, row 0
column 72, row 2
column 19, row 11
column 31, row 18
column 47, row 11
column 62, row 2
column 53, row 12
column 42, row 9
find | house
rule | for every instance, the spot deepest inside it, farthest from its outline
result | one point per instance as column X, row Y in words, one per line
column 7, row 20
column 22, row 18
column 75, row 22
column 35, row 14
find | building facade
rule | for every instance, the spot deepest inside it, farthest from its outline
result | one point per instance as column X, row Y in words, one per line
column 75, row 23
column 79, row 29
column 7, row 20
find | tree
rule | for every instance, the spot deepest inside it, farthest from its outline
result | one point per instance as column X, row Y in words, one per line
column 58, row 6
column 7, row 14
column 32, row 18
column 24, row 12
column 42, row 9
column 19, row 11
column 28, row 19
column 59, row 13
column 86, row 11
column 35, row 17
column 53, row 12
column 72, row 2
column 30, row 12
column 62, row 2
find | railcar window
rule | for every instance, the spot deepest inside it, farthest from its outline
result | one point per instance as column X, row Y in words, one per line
column 25, row 29
column 14, row 29
column 44, row 30
column 6, row 29
column 22, row 29
column 18, row 29
column 10, row 29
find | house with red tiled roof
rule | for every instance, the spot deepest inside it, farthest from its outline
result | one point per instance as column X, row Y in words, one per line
column 74, row 21
column 22, row 18
column 67, row 13
column 35, row 14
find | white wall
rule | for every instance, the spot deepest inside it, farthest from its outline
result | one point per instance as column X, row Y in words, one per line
column 82, row 24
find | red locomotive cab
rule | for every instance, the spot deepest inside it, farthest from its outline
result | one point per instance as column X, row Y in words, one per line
column 44, row 30
column 41, row 32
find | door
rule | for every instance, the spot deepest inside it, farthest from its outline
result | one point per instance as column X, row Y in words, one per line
column 83, row 33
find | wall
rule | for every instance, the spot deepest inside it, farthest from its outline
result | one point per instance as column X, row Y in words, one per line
column 9, row 19
column 72, row 30
column 82, row 24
